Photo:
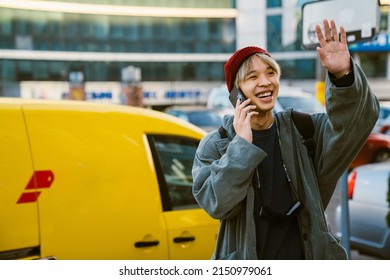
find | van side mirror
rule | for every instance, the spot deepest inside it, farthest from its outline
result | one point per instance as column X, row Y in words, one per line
column 360, row 19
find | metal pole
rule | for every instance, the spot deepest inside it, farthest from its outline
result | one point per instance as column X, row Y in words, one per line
column 343, row 183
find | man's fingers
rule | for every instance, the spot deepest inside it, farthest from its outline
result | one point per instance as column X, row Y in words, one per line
column 327, row 34
column 320, row 37
column 343, row 35
column 335, row 36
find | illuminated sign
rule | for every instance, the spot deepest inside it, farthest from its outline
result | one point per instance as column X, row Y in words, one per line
column 380, row 44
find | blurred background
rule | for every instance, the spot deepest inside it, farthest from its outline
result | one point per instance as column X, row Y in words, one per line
column 167, row 54
column 158, row 53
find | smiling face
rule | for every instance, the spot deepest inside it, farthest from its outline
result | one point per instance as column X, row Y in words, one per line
column 259, row 81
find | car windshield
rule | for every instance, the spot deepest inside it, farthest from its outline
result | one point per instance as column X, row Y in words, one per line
column 304, row 104
column 204, row 118
column 221, row 101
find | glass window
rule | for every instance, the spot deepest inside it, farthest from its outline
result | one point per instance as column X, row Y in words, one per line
column 202, row 118
column 274, row 3
column 202, row 71
column 53, row 28
column 215, row 29
column 173, row 158
column 25, row 65
column 298, row 68
column 384, row 18
column 22, row 27
column 202, row 30
column 174, row 31
column 307, row 104
column 214, row 71
column 72, row 29
column 188, row 71
column 40, row 71
column 146, row 31
column 7, row 42
column 5, row 23
column 178, row 34
column 159, row 71
column 159, row 31
column 39, row 28
column 274, row 26
column 131, row 32
column 187, row 30
column 374, row 64
column 282, row 36
column 116, row 31
column 7, row 70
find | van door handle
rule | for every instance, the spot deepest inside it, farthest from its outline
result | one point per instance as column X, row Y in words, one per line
column 143, row 244
column 183, row 239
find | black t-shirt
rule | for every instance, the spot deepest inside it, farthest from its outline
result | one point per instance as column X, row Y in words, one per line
column 276, row 239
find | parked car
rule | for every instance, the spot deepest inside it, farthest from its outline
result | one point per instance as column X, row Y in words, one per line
column 385, row 129
column 84, row 180
column 201, row 116
column 383, row 122
column 376, row 149
column 219, row 98
column 300, row 100
column 369, row 210
column 293, row 97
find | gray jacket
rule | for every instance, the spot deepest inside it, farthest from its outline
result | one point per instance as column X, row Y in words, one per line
column 223, row 170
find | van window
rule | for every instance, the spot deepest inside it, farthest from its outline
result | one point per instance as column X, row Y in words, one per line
column 173, row 159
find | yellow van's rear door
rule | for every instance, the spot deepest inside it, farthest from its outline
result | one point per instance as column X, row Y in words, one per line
column 191, row 232
column 19, row 236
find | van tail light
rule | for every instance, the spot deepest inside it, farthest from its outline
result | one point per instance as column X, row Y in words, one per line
column 351, row 183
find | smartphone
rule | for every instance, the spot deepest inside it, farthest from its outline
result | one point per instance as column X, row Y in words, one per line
column 236, row 94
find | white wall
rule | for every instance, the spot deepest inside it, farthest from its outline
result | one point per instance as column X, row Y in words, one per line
column 251, row 23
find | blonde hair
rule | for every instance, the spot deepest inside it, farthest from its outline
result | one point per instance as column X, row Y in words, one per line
column 244, row 68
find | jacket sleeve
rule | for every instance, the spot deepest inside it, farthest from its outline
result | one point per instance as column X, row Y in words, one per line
column 352, row 112
column 221, row 182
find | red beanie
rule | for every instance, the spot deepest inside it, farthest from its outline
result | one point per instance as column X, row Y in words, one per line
column 235, row 61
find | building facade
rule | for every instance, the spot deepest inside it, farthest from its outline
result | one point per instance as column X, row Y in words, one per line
column 180, row 46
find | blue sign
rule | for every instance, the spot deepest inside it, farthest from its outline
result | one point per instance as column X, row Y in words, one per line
column 172, row 94
column 99, row 95
column 381, row 43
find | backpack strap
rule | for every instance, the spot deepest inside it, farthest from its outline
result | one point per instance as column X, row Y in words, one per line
column 305, row 126
column 222, row 132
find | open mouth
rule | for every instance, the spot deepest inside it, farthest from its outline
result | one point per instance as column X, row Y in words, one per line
column 264, row 95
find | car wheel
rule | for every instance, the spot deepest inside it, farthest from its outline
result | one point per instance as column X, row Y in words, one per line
column 381, row 155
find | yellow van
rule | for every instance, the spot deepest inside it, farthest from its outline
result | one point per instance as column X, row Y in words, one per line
column 83, row 180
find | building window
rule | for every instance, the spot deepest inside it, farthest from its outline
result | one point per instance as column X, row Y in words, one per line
column 274, row 34
column 298, row 69
column 374, row 64
column 274, row 3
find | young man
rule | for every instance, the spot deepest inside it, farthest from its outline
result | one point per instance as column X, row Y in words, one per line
column 259, row 180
